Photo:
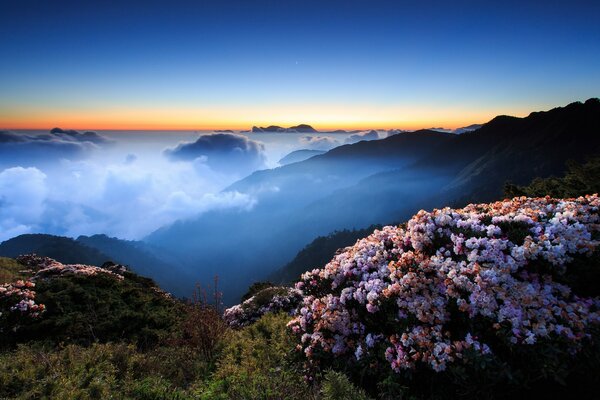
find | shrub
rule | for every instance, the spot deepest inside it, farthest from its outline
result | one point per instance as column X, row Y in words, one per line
column 270, row 300
column 255, row 288
column 101, row 371
column 579, row 180
column 84, row 304
column 337, row 386
column 473, row 300
column 201, row 327
column 256, row 363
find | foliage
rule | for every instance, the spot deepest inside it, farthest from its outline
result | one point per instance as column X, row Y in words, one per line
column 83, row 306
column 201, row 326
column 337, row 386
column 473, row 300
column 270, row 300
column 257, row 363
column 255, row 288
column 11, row 270
column 579, row 180
column 100, row 371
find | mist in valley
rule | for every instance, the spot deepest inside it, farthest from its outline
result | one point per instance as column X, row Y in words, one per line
column 195, row 205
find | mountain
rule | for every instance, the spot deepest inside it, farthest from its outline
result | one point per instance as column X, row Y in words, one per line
column 302, row 128
column 98, row 249
column 458, row 131
column 285, row 195
column 299, row 155
column 469, row 128
column 270, row 128
column 60, row 248
column 375, row 182
column 143, row 259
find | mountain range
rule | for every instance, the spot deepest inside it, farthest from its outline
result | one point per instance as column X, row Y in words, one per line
column 353, row 187
column 378, row 182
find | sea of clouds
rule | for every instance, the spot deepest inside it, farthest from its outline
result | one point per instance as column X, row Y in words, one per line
column 128, row 184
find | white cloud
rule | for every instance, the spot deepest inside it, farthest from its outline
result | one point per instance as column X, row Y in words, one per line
column 23, row 194
column 319, row 142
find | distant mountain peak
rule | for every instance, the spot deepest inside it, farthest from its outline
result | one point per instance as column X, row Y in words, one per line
column 301, row 128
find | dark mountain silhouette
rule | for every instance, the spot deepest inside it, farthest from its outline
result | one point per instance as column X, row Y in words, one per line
column 302, row 128
column 376, row 182
column 143, row 259
column 63, row 249
column 468, row 128
column 98, row 249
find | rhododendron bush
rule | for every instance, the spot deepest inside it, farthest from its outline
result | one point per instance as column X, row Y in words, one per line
column 83, row 304
column 17, row 303
column 269, row 300
column 453, row 287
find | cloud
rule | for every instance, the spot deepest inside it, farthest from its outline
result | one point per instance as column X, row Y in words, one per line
column 130, row 158
column 319, row 142
column 223, row 152
column 19, row 149
column 371, row 135
column 23, row 193
column 93, row 137
column 105, row 195
column 181, row 205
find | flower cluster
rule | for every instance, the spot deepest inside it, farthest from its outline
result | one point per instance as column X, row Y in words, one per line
column 269, row 300
column 452, row 284
column 19, row 297
column 47, row 268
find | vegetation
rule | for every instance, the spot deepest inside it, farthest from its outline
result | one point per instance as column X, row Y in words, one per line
column 10, row 270
column 319, row 252
column 116, row 335
column 579, row 180
column 89, row 309
column 101, row 337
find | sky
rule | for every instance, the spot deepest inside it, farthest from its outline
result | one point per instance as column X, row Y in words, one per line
column 333, row 64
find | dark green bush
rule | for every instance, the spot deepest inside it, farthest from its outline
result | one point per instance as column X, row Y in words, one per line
column 87, row 309
column 579, row 180
column 257, row 363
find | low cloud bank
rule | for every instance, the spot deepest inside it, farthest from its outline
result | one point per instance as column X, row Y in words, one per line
column 319, row 142
column 223, row 152
column 371, row 135
column 45, row 149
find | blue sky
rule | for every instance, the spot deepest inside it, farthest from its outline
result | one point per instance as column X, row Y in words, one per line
column 333, row 63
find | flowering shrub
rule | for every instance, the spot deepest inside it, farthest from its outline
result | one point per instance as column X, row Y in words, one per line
column 45, row 267
column 83, row 304
column 17, row 301
column 454, row 287
column 269, row 300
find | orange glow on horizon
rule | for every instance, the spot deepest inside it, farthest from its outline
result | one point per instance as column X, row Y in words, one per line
column 320, row 117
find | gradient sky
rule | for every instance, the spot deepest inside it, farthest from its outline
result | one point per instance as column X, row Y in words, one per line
column 343, row 64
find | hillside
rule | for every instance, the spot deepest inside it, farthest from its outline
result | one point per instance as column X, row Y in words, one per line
column 374, row 182
column 61, row 248
column 83, row 304
column 98, row 249
column 299, row 155
column 495, row 300
column 317, row 253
